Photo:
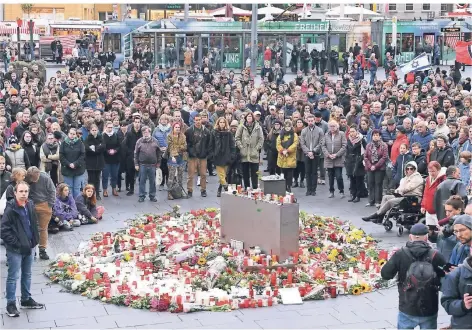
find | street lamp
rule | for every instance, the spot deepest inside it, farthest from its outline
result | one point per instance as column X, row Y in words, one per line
column 19, row 24
column 31, row 29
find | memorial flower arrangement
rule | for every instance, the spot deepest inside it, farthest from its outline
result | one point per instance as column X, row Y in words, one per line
column 176, row 262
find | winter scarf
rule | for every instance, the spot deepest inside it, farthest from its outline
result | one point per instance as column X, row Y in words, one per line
column 375, row 155
column 287, row 143
column 356, row 139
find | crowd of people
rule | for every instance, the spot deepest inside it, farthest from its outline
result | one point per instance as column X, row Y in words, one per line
column 83, row 130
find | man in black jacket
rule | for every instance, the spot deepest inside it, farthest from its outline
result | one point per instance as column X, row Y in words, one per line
column 129, row 144
column 19, row 231
column 199, row 147
column 416, row 307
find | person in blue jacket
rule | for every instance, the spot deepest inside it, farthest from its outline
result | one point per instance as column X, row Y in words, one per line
column 422, row 135
column 463, row 232
column 456, row 298
column 160, row 134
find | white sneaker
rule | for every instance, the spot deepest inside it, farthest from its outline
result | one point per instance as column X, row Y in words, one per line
column 75, row 223
column 198, row 181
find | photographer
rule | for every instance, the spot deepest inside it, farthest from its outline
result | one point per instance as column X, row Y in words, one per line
column 444, row 238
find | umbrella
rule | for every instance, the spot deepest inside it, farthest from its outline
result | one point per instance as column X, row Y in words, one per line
column 350, row 10
column 269, row 10
column 236, row 12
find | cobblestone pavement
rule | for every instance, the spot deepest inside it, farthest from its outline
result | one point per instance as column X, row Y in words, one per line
column 375, row 310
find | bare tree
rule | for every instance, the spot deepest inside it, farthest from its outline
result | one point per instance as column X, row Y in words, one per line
column 27, row 8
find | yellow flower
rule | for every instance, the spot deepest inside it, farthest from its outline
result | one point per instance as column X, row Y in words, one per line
column 201, row 261
column 334, row 252
column 356, row 291
column 78, row 277
column 127, row 256
column 382, row 262
column 317, row 249
column 331, row 257
column 365, row 287
column 352, row 259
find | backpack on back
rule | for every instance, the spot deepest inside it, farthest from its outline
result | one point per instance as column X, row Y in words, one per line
column 421, row 279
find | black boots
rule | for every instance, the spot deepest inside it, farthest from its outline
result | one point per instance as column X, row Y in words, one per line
column 371, row 217
column 356, row 200
column 218, row 194
column 295, row 184
column 302, row 184
column 43, row 254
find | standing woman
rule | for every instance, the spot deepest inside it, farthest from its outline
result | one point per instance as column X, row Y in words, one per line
column 287, row 144
column 177, row 157
column 72, row 158
column 354, row 163
column 223, row 152
column 112, row 160
column 49, row 155
column 300, row 169
column 435, row 177
column 94, row 159
column 161, row 132
column 334, row 150
column 375, row 160
column 272, row 148
column 30, row 148
column 249, row 140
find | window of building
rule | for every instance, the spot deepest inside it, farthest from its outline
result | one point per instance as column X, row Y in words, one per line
column 112, row 41
column 102, row 16
column 426, row 6
column 444, row 7
column 408, row 7
column 392, row 7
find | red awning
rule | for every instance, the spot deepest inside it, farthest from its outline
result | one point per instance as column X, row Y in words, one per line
column 10, row 28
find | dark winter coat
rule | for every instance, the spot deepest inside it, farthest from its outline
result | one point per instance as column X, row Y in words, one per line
column 398, row 170
column 85, row 207
column 111, row 142
column 72, row 152
column 399, row 264
column 445, row 156
column 354, row 158
column 454, row 288
column 94, row 159
column 199, row 149
column 382, row 152
column 33, row 153
column 13, row 232
column 446, row 189
column 129, row 144
column 420, row 160
column 224, row 148
column 4, row 181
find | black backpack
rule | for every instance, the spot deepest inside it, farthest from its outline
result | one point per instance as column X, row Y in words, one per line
column 421, row 277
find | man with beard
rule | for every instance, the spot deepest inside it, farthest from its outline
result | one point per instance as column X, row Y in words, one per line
column 13, row 106
column 23, row 126
column 40, row 116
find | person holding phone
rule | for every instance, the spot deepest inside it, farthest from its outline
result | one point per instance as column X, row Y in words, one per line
column 463, row 232
column 457, row 295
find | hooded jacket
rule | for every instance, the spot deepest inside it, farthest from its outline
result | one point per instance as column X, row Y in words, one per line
column 411, row 185
column 65, row 209
column 454, row 288
column 399, row 264
column 398, row 170
column 72, row 152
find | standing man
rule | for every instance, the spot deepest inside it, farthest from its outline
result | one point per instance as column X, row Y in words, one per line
column 311, row 140
column 19, row 231
column 418, row 300
column 43, row 195
column 199, row 147
column 304, row 60
column 334, row 149
column 129, row 143
column 147, row 157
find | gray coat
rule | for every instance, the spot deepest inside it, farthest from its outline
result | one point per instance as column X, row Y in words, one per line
column 249, row 144
column 446, row 189
column 312, row 140
column 334, row 145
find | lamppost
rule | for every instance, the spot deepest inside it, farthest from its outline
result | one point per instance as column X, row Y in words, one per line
column 31, row 29
column 19, row 24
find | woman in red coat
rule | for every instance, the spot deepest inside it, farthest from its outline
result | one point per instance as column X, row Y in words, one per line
column 435, row 177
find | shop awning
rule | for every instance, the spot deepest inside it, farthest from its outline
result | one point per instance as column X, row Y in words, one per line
column 75, row 27
column 351, row 10
column 10, row 28
column 236, row 12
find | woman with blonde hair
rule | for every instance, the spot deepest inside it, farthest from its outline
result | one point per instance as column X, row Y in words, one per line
column 18, row 174
column 176, row 153
column 87, row 207
column 224, row 151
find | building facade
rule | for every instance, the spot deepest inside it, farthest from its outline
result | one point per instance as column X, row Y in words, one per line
column 61, row 12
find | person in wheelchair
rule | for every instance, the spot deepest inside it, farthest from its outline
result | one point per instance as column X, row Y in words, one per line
column 410, row 185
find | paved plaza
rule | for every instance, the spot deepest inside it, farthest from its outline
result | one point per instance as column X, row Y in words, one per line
column 376, row 310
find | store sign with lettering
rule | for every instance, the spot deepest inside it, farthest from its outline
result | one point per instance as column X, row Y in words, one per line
column 405, row 57
column 232, row 60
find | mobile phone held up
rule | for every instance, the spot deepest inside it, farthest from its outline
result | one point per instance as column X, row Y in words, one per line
column 469, row 289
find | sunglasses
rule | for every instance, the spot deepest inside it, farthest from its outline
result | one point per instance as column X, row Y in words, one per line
column 410, row 169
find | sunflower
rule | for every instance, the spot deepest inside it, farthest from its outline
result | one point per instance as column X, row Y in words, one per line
column 356, row 291
column 382, row 262
column 365, row 287
column 201, row 261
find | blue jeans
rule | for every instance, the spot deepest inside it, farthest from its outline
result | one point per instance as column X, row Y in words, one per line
column 406, row 321
column 110, row 170
column 372, row 77
column 147, row 172
column 75, row 183
column 17, row 262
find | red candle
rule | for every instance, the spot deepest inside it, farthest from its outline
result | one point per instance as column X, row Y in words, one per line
column 290, row 276
column 269, row 302
column 295, row 258
column 332, row 291
column 362, row 255
column 246, row 303
column 259, row 303
column 179, row 300
column 251, row 293
column 273, row 278
column 367, row 264
column 276, row 291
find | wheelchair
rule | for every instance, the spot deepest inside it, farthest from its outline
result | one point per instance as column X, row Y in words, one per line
column 405, row 215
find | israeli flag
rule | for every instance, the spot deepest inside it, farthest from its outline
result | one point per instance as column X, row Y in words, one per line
column 419, row 63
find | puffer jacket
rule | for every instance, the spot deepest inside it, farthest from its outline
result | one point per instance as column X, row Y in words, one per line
column 94, row 159
column 291, row 160
column 411, row 185
column 224, row 148
column 452, row 299
column 160, row 134
column 72, row 152
column 65, row 209
column 445, row 156
column 334, row 144
column 249, row 144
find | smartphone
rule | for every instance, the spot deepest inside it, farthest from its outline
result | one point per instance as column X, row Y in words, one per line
column 447, row 267
column 469, row 289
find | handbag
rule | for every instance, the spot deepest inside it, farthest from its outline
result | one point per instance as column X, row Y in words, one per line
column 158, row 176
column 3, row 203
